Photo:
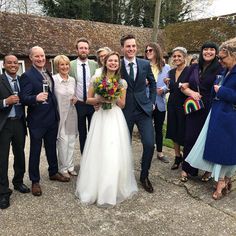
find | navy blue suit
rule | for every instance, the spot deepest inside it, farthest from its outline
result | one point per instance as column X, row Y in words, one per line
column 12, row 132
column 138, row 109
column 42, row 120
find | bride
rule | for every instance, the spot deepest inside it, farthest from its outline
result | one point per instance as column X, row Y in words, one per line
column 106, row 174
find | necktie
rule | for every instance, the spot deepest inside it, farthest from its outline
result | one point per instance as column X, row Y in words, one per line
column 84, row 83
column 18, row 107
column 131, row 72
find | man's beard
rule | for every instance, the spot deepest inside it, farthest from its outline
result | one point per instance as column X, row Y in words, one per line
column 83, row 56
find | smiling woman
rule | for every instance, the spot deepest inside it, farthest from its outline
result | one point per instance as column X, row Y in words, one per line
column 219, row 131
column 199, row 82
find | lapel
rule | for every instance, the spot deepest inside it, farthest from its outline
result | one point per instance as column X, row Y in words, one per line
column 228, row 74
column 6, row 83
column 139, row 66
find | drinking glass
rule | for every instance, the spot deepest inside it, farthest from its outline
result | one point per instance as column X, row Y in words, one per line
column 45, row 89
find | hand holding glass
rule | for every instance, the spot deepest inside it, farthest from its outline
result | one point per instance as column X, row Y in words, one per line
column 45, row 89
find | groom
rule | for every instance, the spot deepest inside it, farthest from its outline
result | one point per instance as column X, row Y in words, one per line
column 138, row 109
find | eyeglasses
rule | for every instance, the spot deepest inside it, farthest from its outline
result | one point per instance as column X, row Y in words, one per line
column 148, row 50
column 221, row 58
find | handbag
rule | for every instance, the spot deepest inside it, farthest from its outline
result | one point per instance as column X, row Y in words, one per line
column 190, row 104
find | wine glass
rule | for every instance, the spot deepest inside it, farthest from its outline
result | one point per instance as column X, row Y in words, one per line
column 15, row 92
column 45, row 88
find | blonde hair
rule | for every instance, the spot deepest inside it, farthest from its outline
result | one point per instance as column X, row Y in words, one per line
column 229, row 47
column 59, row 58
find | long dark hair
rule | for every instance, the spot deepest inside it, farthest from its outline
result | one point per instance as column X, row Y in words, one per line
column 158, row 54
column 214, row 65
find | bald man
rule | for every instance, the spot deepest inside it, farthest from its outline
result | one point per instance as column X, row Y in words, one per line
column 42, row 118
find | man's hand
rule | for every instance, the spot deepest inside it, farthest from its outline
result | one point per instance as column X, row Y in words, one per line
column 11, row 100
column 42, row 97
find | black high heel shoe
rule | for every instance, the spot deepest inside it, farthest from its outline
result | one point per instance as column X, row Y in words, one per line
column 178, row 161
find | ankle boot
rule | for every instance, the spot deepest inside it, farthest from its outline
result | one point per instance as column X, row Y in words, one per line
column 177, row 162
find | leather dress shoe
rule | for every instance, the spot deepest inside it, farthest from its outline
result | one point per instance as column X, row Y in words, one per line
column 147, row 185
column 59, row 177
column 36, row 189
column 22, row 188
column 4, row 201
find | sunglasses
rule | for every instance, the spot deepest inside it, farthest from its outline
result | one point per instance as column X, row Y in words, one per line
column 148, row 50
column 221, row 58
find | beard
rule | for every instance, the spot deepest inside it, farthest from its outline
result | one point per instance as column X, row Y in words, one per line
column 83, row 56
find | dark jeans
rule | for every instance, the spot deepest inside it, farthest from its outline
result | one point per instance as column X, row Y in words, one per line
column 159, row 118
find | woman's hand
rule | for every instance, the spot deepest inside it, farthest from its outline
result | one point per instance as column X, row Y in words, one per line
column 160, row 91
column 195, row 95
column 216, row 88
column 167, row 81
column 74, row 100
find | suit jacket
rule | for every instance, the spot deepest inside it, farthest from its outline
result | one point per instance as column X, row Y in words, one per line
column 5, row 92
column 136, row 97
column 38, row 114
column 73, row 68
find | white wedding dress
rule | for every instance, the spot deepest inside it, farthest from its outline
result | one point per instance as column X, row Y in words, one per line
column 106, row 171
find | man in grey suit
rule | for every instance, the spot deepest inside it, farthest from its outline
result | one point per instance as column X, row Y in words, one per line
column 138, row 109
column 82, row 69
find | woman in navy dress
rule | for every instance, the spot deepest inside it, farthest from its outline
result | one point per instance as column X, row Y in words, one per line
column 175, row 116
column 199, row 84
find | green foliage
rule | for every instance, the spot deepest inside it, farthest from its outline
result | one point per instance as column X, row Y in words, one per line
column 127, row 12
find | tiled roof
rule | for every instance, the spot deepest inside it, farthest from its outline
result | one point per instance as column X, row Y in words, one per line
column 19, row 32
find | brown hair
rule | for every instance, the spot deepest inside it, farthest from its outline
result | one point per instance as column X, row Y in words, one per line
column 84, row 40
column 126, row 37
column 158, row 54
column 104, row 71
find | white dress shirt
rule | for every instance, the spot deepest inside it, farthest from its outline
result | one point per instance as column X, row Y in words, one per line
column 79, row 88
column 135, row 66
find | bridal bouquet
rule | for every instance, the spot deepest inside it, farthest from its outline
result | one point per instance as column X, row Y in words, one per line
column 108, row 88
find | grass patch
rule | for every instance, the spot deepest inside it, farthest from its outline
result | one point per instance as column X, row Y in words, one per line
column 166, row 142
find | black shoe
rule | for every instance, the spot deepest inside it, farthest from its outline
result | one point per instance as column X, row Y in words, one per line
column 22, row 188
column 147, row 185
column 4, row 201
column 178, row 161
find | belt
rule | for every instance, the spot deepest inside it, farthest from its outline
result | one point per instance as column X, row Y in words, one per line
column 13, row 118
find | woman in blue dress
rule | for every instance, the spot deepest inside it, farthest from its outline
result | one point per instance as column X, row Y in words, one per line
column 215, row 149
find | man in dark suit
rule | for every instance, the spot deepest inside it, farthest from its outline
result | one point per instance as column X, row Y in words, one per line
column 82, row 69
column 42, row 118
column 12, row 131
column 138, row 109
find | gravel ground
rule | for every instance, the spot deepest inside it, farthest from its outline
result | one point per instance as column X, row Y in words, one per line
column 173, row 209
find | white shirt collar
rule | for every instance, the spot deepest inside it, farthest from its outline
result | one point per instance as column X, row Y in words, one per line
column 82, row 62
column 127, row 61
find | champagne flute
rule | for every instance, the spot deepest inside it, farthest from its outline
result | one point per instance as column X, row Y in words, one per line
column 15, row 93
column 45, row 89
